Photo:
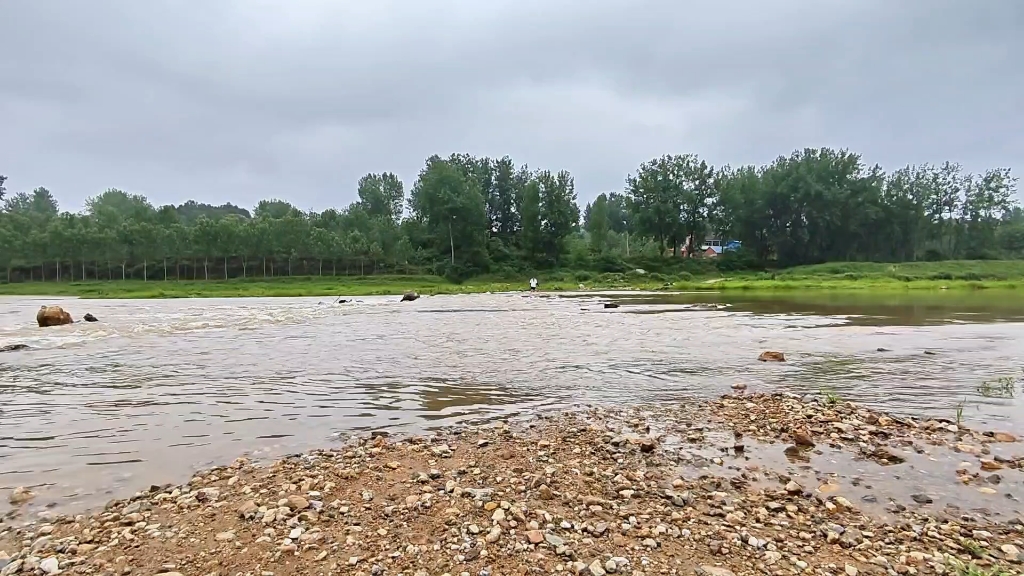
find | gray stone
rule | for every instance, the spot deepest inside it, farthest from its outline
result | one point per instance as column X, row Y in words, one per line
column 49, row 565
column 713, row 571
column 553, row 539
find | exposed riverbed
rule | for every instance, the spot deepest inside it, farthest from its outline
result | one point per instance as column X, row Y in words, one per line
column 159, row 388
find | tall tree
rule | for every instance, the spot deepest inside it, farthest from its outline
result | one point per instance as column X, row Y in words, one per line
column 382, row 195
column 597, row 223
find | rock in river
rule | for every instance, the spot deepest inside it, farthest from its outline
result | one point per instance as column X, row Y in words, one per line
column 89, row 317
column 20, row 495
column 13, row 347
column 770, row 356
column 52, row 316
column 409, row 296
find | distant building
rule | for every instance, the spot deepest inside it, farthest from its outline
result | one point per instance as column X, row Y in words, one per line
column 712, row 247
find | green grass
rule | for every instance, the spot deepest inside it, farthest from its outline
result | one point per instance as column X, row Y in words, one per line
column 829, row 397
column 293, row 286
column 953, row 275
column 863, row 277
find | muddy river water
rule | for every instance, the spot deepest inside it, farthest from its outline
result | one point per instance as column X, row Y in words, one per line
column 160, row 388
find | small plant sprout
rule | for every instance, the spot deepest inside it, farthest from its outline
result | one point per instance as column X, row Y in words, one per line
column 960, row 412
column 829, row 397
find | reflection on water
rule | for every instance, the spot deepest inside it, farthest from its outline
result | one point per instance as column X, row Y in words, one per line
column 160, row 388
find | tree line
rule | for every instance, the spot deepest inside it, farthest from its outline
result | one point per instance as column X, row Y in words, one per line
column 467, row 215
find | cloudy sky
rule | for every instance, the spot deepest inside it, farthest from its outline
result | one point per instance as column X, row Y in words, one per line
column 238, row 100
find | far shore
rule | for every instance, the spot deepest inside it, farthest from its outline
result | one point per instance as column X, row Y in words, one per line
column 431, row 285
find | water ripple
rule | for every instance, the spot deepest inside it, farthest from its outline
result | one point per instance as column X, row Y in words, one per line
column 158, row 389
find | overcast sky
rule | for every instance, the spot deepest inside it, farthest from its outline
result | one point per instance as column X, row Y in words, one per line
column 238, row 100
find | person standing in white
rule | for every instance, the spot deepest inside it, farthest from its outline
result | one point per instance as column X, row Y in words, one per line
column 533, row 284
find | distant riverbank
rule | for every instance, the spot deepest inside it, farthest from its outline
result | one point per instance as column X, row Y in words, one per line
column 933, row 276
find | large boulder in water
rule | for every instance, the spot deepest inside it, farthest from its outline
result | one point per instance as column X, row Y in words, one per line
column 772, row 357
column 409, row 296
column 52, row 316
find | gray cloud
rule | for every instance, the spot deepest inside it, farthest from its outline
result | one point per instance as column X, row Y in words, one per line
column 237, row 100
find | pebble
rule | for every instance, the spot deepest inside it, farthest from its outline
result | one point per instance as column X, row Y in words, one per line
column 553, row 539
column 706, row 570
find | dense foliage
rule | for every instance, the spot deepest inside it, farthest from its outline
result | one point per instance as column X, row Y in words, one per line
column 466, row 215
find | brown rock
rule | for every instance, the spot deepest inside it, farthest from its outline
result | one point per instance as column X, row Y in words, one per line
column 770, row 356
column 1003, row 437
column 535, row 536
column 828, row 488
column 296, row 502
column 20, row 495
column 248, row 510
column 52, row 316
column 802, row 438
column 990, row 465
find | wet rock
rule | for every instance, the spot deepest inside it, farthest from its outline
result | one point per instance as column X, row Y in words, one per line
column 990, row 465
column 739, row 386
column 52, row 316
column 771, row 356
column 20, row 495
column 89, row 317
column 610, row 305
column 803, row 438
column 648, row 445
column 13, row 347
column 921, row 498
column 884, row 456
column 1003, row 437
column 409, row 296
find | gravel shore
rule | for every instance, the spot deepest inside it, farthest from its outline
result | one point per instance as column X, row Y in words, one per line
column 640, row 491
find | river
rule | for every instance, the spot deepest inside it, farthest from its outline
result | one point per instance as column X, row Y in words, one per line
column 160, row 388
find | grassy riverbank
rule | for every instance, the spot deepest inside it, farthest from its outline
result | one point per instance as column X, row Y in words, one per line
column 961, row 275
